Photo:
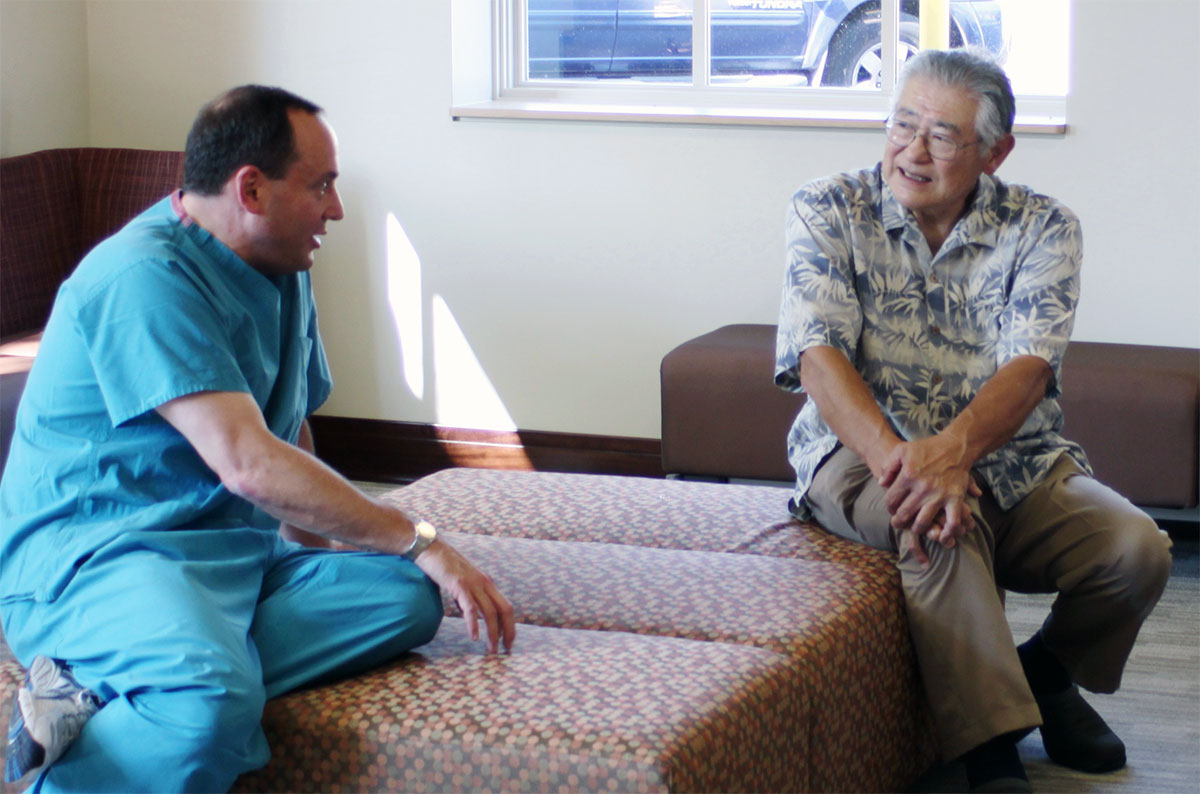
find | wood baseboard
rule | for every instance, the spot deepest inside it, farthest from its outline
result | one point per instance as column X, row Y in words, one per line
column 385, row 451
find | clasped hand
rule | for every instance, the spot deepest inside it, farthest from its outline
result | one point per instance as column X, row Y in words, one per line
column 927, row 488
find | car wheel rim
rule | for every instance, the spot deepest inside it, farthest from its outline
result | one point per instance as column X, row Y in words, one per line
column 868, row 71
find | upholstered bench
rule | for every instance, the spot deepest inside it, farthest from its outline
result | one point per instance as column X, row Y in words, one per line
column 675, row 636
column 1134, row 408
column 568, row 710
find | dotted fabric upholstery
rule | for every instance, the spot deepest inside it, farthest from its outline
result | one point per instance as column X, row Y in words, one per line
column 668, row 514
column 566, row 711
column 691, row 637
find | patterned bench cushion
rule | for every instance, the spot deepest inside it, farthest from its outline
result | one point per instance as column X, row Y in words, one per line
column 834, row 606
column 566, row 711
column 668, row 514
column 842, row 626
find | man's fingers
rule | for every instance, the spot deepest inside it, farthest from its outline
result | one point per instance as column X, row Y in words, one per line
column 924, row 523
column 508, row 623
column 497, row 613
column 473, row 591
column 913, row 541
column 889, row 474
column 493, row 626
column 470, row 616
column 896, row 495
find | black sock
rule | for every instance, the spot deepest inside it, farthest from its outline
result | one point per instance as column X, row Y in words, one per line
column 1045, row 673
column 995, row 758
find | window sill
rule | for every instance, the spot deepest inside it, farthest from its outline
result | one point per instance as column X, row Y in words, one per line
column 694, row 114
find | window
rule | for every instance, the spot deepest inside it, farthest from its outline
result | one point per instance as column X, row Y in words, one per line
column 741, row 61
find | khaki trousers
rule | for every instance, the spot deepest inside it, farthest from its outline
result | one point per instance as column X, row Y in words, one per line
column 1107, row 560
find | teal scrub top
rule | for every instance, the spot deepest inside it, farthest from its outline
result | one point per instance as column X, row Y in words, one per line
column 160, row 310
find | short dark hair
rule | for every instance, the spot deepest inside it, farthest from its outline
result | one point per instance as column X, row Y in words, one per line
column 247, row 125
column 976, row 70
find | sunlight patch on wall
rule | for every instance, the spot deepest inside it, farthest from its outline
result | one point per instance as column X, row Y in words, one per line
column 465, row 397
column 404, row 298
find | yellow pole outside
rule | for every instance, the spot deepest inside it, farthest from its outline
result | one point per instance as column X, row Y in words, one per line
column 935, row 24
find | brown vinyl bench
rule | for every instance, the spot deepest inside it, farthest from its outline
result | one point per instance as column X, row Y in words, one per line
column 1134, row 408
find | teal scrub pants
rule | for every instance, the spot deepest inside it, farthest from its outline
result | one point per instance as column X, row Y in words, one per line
column 185, row 634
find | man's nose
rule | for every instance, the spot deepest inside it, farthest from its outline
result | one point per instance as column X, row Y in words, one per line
column 335, row 211
column 918, row 147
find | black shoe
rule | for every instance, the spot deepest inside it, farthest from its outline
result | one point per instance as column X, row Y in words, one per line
column 1076, row 736
column 995, row 766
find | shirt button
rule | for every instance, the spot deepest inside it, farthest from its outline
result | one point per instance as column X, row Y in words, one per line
column 933, row 329
column 933, row 277
column 936, row 379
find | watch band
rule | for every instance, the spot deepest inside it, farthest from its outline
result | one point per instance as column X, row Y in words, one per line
column 423, row 535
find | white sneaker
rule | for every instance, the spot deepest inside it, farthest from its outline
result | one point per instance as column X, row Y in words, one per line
column 48, row 713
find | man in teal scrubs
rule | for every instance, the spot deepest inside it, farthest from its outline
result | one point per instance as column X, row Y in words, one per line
column 162, row 470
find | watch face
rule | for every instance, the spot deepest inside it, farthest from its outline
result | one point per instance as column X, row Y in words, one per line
column 424, row 535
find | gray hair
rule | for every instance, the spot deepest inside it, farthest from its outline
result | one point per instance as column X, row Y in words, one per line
column 975, row 70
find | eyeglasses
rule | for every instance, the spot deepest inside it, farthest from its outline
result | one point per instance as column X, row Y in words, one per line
column 940, row 147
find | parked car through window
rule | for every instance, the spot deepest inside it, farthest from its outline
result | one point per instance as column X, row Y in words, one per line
column 799, row 42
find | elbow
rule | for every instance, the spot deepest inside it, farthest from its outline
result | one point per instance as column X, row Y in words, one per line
column 1042, row 379
column 244, row 479
column 240, row 483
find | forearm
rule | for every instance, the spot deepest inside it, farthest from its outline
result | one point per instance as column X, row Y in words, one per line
column 998, row 411
column 847, row 406
column 289, row 483
column 294, row 533
column 303, row 493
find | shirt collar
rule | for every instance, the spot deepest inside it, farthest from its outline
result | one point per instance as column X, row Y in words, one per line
column 978, row 226
column 893, row 214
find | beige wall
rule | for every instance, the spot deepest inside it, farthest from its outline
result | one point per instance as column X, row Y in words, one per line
column 553, row 264
column 43, row 75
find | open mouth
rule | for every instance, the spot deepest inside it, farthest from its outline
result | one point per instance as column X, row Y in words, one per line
column 915, row 177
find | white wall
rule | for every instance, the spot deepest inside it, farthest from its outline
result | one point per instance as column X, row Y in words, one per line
column 572, row 256
column 43, row 75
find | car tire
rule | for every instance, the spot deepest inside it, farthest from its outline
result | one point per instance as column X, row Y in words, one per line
column 854, row 59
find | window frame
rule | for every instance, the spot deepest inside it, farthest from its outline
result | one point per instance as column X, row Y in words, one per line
column 488, row 51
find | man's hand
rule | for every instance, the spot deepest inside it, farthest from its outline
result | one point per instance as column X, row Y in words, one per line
column 474, row 592
column 928, row 484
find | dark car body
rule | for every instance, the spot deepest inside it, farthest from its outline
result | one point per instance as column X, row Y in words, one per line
column 820, row 41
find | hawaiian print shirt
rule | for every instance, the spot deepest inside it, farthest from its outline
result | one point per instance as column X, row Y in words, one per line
column 927, row 331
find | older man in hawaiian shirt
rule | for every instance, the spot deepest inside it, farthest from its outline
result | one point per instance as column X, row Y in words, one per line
column 926, row 311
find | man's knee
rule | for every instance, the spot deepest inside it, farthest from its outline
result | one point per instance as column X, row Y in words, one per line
column 1132, row 559
column 219, row 711
column 1144, row 557
column 424, row 616
column 168, row 738
column 222, row 737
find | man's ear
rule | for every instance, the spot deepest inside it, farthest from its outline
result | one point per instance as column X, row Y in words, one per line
column 249, row 188
column 999, row 154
